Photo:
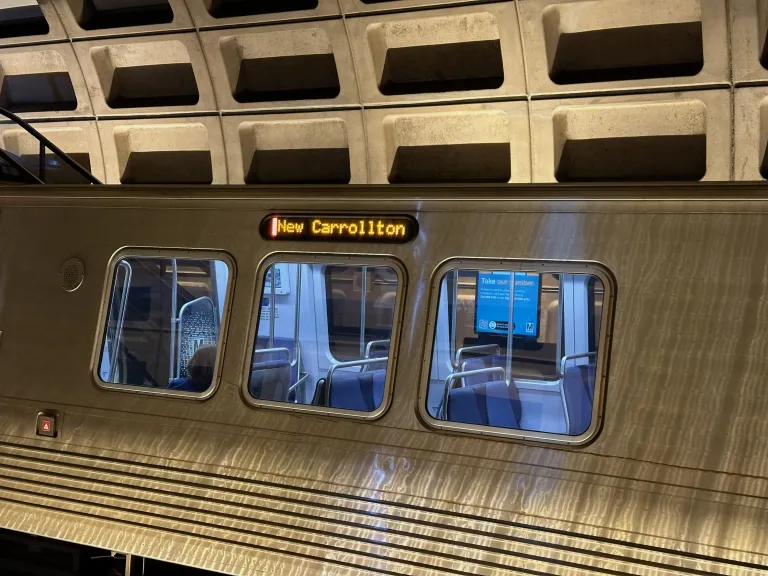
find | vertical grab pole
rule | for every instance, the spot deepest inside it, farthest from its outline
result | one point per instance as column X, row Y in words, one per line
column 560, row 315
column 297, row 312
column 455, row 306
column 362, row 313
column 510, row 329
column 173, row 367
column 272, row 285
column 41, row 169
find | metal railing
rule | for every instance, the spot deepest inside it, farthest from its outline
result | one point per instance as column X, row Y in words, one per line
column 494, row 349
column 44, row 143
column 563, row 363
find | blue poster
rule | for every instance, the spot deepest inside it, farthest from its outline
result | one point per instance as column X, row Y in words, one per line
column 492, row 303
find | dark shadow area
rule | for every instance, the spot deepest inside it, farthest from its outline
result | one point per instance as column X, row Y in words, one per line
column 234, row 8
column 38, row 93
column 33, row 26
column 169, row 167
column 635, row 53
column 309, row 77
column 322, row 166
column 90, row 17
column 443, row 68
column 764, row 53
column 452, row 163
column 56, row 171
column 642, row 159
column 764, row 166
column 10, row 175
column 24, row 555
column 156, row 85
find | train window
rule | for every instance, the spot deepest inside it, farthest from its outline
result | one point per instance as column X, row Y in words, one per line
column 163, row 322
column 518, row 349
column 326, row 334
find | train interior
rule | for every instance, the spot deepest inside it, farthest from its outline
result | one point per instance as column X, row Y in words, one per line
column 161, row 311
column 543, row 378
column 324, row 339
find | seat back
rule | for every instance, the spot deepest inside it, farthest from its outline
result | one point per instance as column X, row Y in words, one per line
column 270, row 380
column 467, row 405
column 487, row 404
column 362, row 391
column 502, row 404
column 578, row 395
column 480, row 362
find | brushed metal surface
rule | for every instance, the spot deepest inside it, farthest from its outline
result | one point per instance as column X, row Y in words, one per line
column 675, row 483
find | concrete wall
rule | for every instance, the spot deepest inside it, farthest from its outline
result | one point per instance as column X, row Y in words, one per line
column 391, row 91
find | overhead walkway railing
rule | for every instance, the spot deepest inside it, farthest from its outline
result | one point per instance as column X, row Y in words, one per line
column 40, row 167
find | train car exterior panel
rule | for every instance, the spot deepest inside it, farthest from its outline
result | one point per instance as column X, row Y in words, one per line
column 674, row 482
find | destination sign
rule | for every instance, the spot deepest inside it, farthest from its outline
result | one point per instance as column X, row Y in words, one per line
column 322, row 228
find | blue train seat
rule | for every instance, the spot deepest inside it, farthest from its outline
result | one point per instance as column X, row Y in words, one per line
column 579, row 394
column 361, row 391
column 491, row 361
column 487, row 404
column 358, row 391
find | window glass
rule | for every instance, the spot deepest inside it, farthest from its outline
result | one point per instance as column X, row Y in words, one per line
column 543, row 377
column 324, row 335
column 346, row 310
column 163, row 323
column 537, row 318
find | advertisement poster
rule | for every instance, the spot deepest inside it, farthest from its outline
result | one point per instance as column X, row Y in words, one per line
column 492, row 303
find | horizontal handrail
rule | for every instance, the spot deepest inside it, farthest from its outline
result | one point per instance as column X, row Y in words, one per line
column 482, row 348
column 573, row 357
column 48, row 144
column 373, row 343
column 271, row 351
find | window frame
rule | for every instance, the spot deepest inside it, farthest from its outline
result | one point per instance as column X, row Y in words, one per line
column 522, row 265
column 179, row 254
column 327, row 259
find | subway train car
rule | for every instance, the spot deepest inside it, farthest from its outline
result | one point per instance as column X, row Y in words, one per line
column 417, row 380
